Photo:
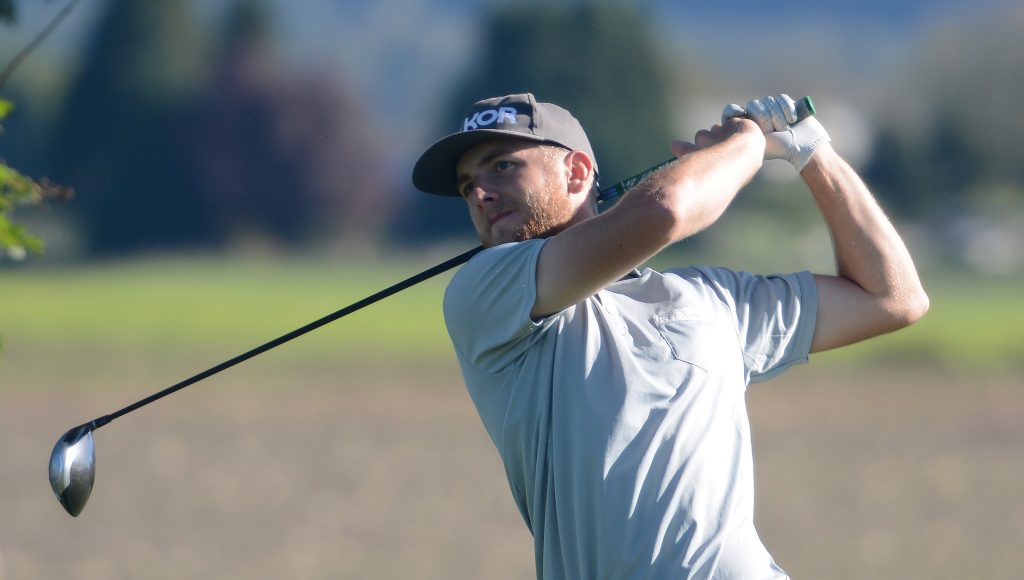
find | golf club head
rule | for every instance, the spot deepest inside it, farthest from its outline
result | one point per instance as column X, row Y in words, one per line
column 73, row 468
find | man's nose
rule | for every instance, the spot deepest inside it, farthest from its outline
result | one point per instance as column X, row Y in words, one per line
column 482, row 194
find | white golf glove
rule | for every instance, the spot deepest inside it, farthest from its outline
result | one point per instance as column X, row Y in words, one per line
column 785, row 136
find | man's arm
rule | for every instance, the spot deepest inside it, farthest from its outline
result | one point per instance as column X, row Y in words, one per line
column 681, row 199
column 877, row 288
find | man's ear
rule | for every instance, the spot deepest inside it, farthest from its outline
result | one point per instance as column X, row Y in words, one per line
column 580, row 171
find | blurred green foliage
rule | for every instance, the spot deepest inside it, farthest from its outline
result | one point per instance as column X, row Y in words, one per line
column 123, row 115
column 17, row 190
column 183, row 132
column 178, row 138
column 957, row 137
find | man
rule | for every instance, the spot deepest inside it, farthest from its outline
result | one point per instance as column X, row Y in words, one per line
column 615, row 396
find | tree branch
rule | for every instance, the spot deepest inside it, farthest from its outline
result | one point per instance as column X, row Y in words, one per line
column 39, row 39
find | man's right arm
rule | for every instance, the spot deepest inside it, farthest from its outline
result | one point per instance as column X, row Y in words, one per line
column 672, row 204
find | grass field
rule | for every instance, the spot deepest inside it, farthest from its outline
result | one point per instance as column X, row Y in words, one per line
column 354, row 452
column 207, row 305
column 195, row 305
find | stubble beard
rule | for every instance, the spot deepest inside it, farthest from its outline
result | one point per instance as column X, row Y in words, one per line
column 549, row 213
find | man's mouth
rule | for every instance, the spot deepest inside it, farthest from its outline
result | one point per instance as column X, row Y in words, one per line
column 494, row 218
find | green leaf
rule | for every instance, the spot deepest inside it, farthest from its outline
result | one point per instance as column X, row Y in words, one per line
column 16, row 189
column 15, row 241
column 5, row 107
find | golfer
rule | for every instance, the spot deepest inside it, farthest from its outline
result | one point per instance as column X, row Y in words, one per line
column 615, row 396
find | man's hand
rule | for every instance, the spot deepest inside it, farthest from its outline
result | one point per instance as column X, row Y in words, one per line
column 704, row 138
column 785, row 137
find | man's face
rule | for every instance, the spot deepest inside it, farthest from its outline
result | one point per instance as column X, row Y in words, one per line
column 516, row 190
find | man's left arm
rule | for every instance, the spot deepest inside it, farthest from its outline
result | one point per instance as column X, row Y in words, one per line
column 876, row 289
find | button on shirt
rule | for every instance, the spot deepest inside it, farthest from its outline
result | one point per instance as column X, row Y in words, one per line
column 621, row 420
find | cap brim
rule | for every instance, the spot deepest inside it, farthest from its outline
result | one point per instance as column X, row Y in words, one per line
column 434, row 171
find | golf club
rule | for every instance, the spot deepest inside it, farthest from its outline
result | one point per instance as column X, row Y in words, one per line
column 607, row 197
column 73, row 460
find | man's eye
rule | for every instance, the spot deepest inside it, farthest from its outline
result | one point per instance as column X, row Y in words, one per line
column 502, row 165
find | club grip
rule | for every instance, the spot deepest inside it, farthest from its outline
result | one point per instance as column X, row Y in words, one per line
column 608, row 196
column 804, row 108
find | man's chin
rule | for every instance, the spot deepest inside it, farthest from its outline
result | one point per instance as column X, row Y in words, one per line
column 519, row 235
column 497, row 241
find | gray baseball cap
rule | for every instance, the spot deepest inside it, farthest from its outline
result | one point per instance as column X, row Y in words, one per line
column 509, row 117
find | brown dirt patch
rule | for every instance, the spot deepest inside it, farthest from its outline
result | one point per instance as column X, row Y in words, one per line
column 315, row 473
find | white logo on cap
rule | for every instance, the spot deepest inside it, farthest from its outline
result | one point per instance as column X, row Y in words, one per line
column 489, row 117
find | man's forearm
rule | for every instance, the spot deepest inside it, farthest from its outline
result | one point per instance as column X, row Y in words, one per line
column 868, row 250
column 677, row 201
column 700, row 186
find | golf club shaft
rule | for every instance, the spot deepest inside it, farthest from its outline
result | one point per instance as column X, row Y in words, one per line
column 411, row 281
column 390, row 290
column 605, row 198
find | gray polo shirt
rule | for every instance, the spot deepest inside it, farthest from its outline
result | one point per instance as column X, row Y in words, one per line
column 621, row 420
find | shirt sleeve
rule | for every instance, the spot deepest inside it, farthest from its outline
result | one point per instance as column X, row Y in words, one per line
column 774, row 317
column 487, row 306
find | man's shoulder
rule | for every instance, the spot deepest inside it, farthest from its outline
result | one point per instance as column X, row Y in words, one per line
column 487, row 305
column 492, row 271
column 501, row 256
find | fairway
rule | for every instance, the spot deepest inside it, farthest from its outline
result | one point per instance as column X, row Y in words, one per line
column 355, row 452
column 191, row 306
column 213, row 309
column 362, row 472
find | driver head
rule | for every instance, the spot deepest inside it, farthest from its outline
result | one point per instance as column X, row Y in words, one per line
column 73, row 468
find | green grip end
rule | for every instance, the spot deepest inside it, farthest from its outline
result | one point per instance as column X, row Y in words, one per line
column 805, row 108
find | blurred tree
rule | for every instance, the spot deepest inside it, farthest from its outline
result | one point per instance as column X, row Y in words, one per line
column 17, row 190
column 280, row 157
column 596, row 59
column 969, row 137
column 120, row 134
column 897, row 171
